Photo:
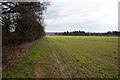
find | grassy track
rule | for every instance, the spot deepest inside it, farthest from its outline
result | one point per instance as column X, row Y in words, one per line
column 69, row 56
column 26, row 65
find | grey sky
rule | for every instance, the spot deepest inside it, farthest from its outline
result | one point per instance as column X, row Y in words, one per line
column 87, row 15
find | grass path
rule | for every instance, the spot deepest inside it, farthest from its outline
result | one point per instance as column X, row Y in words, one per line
column 69, row 57
column 39, row 62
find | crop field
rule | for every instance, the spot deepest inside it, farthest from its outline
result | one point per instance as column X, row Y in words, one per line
column 86, row 56
column 69, row 57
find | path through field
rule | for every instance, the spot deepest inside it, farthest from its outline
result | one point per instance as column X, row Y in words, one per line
column 71, row 57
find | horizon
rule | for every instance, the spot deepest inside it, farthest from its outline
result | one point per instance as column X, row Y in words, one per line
column 76, row 30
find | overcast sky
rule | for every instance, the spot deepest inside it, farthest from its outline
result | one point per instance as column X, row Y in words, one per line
column 85, row 15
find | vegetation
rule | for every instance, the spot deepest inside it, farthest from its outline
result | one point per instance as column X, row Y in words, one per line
column 87, row 56
column 83, row 33
column 69, row 57
column 76, row 56
column 26, row 64
column 22, row 21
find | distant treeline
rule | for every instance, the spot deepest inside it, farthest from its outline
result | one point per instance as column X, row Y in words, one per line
column 22, row 21
column 83, row 33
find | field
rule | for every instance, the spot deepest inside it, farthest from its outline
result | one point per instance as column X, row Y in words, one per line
column 86, row 56
column 69, row 57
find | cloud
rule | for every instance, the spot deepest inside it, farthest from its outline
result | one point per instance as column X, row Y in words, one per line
column 88, row 15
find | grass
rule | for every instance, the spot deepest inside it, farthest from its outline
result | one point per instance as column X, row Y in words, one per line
column 69, row 57
column 24, row 69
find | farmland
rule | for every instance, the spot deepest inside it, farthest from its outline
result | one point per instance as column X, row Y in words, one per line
column 70, row 57
column 86, row 56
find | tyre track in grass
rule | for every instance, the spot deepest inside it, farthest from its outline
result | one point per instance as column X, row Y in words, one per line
column 60, row 64
column 46, row 67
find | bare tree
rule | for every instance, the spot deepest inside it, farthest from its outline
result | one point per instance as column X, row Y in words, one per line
column 23, row 21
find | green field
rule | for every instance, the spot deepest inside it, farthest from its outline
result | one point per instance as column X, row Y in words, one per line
column 86, row 56
column 70, row 57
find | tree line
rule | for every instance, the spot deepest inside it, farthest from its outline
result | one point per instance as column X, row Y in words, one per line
column 83, row 33
column 22, row 21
